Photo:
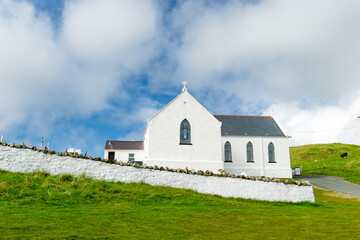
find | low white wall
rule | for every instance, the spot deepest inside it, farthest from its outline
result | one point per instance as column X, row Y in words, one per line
column 24, row 160
column 203, row 165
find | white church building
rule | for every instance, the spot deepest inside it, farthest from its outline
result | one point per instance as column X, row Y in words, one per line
column 184, row 134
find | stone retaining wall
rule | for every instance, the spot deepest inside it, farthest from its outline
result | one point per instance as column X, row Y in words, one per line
column 22, row 159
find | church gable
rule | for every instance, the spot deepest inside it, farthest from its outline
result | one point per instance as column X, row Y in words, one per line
column 184, row 109
column 184, row 131
column 183, row 102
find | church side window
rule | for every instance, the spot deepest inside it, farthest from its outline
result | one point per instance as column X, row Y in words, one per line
column 249, row 152
column 185, row 132
column 228, row 157
column 271, row 151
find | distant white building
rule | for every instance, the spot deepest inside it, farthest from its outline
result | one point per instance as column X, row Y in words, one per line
column 74, row 150
column 184, row 134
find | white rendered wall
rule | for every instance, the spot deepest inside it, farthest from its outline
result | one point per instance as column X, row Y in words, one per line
column 146, row 143
column 20, row 160
column 239, row 162
column 261, row 165
column 123, row 155
column 163, row 136
column 282, row 167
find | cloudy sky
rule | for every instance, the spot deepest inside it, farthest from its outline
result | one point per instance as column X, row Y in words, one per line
column 80, row 72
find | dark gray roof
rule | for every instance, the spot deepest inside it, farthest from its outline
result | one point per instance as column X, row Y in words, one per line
column 124, row 145
column 233, row 125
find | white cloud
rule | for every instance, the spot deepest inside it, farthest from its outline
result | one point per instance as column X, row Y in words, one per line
column 319, row 123
column 300, row 57
column 47, row 75
column 275, row 49
column 111, row 32
column 141, row 110
column 137, row 119
column 29, row 61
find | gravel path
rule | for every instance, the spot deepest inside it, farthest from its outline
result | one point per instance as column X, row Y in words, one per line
column 335, row 184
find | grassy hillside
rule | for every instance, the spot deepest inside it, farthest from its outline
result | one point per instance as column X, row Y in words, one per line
column 325, row 159
column 41, row 206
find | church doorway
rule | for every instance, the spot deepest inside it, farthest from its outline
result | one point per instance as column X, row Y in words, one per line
column 111, row 156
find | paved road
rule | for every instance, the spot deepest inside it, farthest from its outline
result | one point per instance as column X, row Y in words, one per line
column 335, row 184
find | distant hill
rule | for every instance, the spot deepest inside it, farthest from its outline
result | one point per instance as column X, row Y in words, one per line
column 325, row 159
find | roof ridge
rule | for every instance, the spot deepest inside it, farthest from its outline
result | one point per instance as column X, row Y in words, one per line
column 240, row 125
column 124, row 145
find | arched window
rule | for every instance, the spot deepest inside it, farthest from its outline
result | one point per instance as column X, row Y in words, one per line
column 228, row 157
column 185, row 132
column 249, row 152
column 271, row 151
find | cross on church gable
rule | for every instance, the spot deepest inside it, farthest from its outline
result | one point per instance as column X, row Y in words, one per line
column 184, row 83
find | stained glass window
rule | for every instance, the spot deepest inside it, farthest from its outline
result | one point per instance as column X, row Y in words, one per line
column 185, row 132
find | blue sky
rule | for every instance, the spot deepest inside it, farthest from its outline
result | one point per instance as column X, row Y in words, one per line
column 81, row 72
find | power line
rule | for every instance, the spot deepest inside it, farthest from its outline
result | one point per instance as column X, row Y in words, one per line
column 328, row 130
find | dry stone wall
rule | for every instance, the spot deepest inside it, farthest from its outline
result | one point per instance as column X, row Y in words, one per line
column 20, row 158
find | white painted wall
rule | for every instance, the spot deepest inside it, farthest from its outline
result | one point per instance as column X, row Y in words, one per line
column 123, row 155
column 146, row 143
column 24, row 160
column 163, row 136
column 74, row 150
column 261, row 165
column 282, row 166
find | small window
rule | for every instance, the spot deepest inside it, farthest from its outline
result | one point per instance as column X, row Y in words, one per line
column 249, row 152
column 185, row 132
column 228, row 157
column 131, row 157
column 271, row 150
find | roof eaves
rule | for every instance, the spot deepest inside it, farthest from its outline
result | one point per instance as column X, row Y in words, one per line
column 164, row 108
column 280, row 127
column 114, row 145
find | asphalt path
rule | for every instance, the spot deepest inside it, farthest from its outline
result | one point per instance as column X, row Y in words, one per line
column 335, row 184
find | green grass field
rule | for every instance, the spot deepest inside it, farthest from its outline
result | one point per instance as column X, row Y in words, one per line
column 325, row 159
column 63, row 207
